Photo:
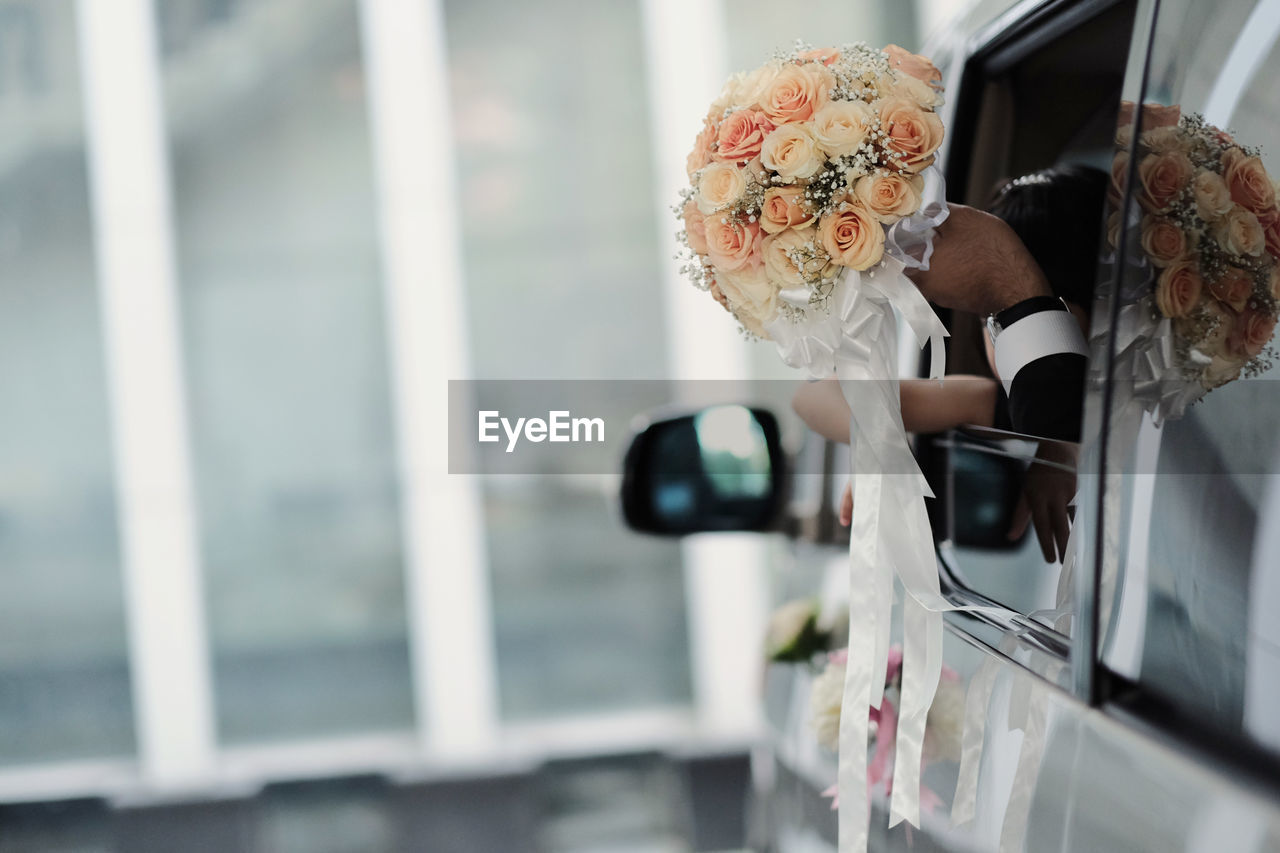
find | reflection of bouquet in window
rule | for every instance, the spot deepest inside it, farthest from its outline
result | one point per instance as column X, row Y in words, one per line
column 800, row 169
column 1210, row 237
column 943, row 729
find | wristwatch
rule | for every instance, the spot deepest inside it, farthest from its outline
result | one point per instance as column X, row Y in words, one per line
column 1001, row 320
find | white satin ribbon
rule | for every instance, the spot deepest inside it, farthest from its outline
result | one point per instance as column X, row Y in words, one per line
column 856, row 339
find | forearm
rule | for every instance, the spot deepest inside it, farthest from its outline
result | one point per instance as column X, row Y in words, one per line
column 979, row 265
column 927, row 405
column 932, row 406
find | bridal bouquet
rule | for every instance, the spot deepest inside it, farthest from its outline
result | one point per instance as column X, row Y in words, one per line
column 800, row 169
column 1210, row 239
column 812, row 190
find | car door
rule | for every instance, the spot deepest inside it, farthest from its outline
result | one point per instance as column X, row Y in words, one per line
column 1155, row 732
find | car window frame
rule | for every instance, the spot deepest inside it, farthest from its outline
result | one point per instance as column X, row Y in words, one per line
column 1010, row 39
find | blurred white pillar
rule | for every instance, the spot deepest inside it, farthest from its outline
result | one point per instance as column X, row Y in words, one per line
column 450, row 608
column 725, row 574
column 128, row 171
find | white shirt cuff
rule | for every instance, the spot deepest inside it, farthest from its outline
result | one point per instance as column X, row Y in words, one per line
column 1034, row 337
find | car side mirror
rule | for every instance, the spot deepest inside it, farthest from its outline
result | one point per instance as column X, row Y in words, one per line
column 717, row 469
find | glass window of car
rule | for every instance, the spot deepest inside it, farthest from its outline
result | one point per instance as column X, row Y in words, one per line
column 1189, row 581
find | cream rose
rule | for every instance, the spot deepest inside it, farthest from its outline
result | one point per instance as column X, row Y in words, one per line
column 744, row 88
column 782, row 209
column 793, row 257
column 1233, row 288
column 1208, row 329
column 1163, row 177
column 740, row 135
column 1240, row 232
column 913, row 65
column 792, row 152
column 920, row 93
column 1161, row 140
column 718, row 295
column 752, row 297
column 841, row 127
column 1178, row 288
column 1221, row 370
column 1213, row 199
column 1247, row 180
column 695, row 227
column 719, row 185
column 1251, row 332
column 1162, row 240
column 852, row 236
column 889, row 197
column 913, row 134
column 796, row 93
column 732, row 245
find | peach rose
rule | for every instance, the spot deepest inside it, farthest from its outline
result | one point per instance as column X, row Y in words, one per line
column 889, row 197
column 852, row 236
column 719, row 185
column 1240, row 233
column 1153, row 114
column 1163, row 177
column 825, row 55
column 1213, row 199
column 913, row 134
column 732, row 245
column 796, row 93
column 752, row 297
column 792, row 152
column 1248, row 181
column 1251, row 332
column 1178, row 288
column 1119, row 166
column 1270, row 222
column 913, row 65
column 1233, row 288
column 1162, row 240
column 740, row 135
column 782, row 209
column 793, row 257
column 695, row 227
column 701, row 153
column 841, row 127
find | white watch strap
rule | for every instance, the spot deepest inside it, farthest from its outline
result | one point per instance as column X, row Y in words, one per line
column 1033, row 337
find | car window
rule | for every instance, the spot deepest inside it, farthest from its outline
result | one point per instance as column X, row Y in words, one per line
column 1046, row 96
column 1188, row 578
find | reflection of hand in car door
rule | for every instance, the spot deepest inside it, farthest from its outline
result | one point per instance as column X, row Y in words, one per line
column 1046, row 498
